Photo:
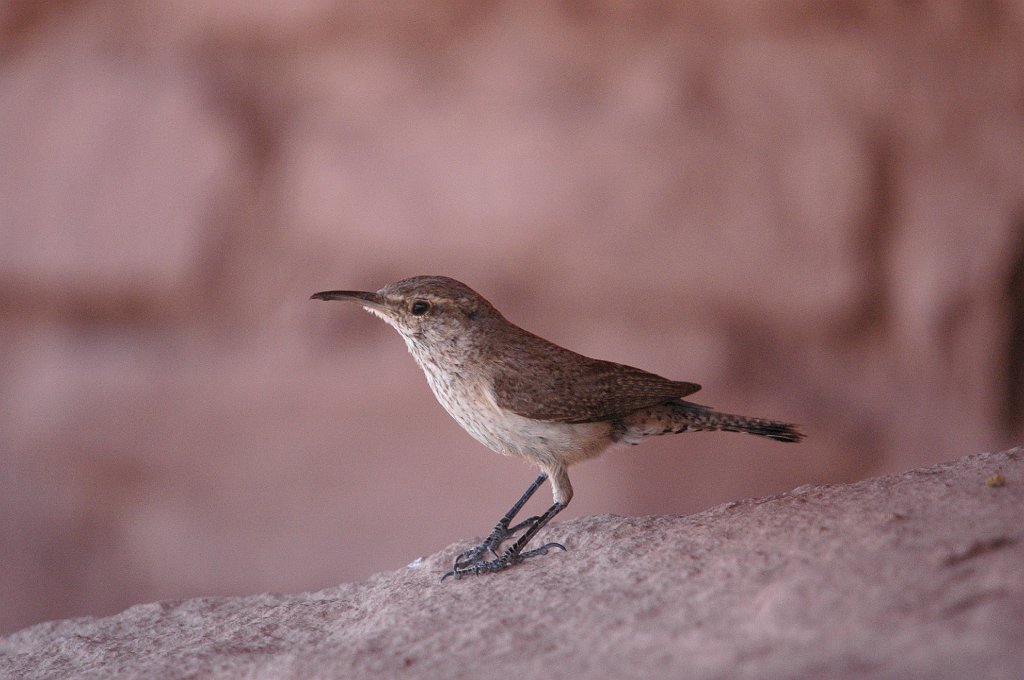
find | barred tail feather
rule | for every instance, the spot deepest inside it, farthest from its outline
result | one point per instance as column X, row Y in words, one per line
column 682, row 416
column 696, row 417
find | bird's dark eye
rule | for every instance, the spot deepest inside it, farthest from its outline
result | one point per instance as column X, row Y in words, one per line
column 419, row 308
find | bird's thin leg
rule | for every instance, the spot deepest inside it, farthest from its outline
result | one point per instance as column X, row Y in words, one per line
column 501, row 531
column 518, row 546
column 514, row 554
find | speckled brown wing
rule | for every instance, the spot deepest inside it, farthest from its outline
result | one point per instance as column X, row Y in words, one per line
column 575, row 389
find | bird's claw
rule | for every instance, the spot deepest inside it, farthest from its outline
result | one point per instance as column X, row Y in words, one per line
column 507, row 559
column 501, row 533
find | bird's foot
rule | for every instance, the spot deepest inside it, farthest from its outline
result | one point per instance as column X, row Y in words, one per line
column 474, row 561
column 507, row 559
column 501, row 533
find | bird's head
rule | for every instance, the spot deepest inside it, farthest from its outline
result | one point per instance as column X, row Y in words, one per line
column 429, row 311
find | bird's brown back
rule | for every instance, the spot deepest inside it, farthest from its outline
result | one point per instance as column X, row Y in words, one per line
column 537, row 379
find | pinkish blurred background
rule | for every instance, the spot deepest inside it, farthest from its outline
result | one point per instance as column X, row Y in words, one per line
column 814, row 210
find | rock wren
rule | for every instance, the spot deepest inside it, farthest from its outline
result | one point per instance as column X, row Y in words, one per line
column 520, row 395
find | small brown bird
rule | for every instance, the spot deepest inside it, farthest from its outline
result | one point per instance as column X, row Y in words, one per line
column 520, row 395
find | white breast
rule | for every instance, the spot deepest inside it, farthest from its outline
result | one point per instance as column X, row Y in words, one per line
column 471, row 403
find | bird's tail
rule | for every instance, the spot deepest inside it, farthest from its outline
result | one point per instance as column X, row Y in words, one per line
column 693, row 417
column 696, row 418
column 683, row 416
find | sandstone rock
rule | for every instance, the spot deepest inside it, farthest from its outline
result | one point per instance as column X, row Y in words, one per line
column 914, row 575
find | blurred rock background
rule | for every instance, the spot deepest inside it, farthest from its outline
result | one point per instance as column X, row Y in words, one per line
column 814, row 210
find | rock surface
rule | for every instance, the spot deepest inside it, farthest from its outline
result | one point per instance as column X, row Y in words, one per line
column 914, row 575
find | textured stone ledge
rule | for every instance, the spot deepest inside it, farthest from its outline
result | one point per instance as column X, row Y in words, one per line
column 912, row 575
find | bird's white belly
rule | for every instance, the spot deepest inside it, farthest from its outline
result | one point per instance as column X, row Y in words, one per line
column 473, row 406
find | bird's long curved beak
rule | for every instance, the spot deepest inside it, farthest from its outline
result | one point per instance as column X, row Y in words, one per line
column 370, row 300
